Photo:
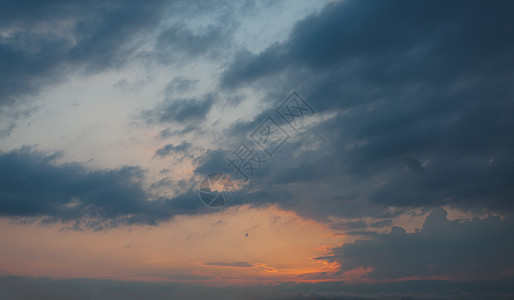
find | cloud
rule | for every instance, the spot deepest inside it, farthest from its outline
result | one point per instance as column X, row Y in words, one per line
column 170, row 149
column 476, row 249
column 350, row 225
column 179, row 85
column 420, row 102
column 393, row 39
column 186, row 110
column 42, row 41
column 380, row 224
column 10, row 118
column 180, row 41
column 32, row 185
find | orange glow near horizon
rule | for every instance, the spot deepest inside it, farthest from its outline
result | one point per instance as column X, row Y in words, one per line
column 238, row 245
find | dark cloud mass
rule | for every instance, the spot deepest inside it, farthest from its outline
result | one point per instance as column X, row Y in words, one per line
column 476, row 249
column 422, row 99
column 36, row 49
column 33, row 186
column 41, row 42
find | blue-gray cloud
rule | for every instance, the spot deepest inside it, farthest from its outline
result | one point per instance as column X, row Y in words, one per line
column 476, row 249
column 170, row 149
column 37, row 50
column 179, row 41
column 184, row 110
column 422, row 98
column 42, row 42
column 179, row 85
column 32, row 185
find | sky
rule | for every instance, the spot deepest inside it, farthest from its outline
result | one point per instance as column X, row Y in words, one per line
column 301, row 149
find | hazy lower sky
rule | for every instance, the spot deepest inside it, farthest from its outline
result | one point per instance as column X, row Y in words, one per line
column 256, row 149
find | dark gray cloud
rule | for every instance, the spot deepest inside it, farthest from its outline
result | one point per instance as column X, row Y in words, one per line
column 422, row 98
column 380, row 224
column 345, row 225
column 32, row 185
column 10, row 117
column 184, row 110
column 476, row 249
column 188, row 129
column 400, row 36
column 170, row 149
column 212, row 161
column 42, row 42
column 37, row 49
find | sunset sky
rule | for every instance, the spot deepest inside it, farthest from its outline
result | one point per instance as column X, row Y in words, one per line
column 365, row 149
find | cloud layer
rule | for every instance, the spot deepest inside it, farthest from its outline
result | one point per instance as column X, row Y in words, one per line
column 33, row 185
column 475, row 249
column 421, row 98
column 412, row 112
